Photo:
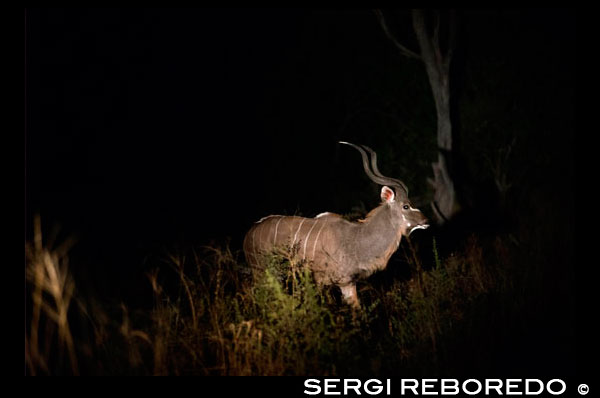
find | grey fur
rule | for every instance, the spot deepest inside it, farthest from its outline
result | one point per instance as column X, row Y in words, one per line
column 338, row 251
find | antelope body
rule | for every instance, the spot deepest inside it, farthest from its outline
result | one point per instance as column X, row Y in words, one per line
column 340, row 252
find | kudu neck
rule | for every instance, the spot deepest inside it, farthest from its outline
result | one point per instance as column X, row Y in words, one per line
column 380, row 231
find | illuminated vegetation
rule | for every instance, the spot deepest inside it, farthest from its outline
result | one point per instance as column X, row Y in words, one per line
column 211, row 317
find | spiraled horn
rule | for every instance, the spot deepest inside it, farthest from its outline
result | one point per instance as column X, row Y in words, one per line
column 375, row 175
column 377, row 172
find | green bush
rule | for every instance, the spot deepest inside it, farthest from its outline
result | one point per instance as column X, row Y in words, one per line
column 217, row 320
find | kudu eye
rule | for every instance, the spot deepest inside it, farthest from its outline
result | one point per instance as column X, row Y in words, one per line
column 406, row 207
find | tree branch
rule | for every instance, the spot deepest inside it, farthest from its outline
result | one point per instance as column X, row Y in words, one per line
column 428, row 47
column 404, row 50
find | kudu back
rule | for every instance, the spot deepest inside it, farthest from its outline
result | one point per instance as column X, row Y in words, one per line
column 340, row 252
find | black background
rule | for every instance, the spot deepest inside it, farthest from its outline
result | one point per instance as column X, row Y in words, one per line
column 149, row 128
column 170, row 124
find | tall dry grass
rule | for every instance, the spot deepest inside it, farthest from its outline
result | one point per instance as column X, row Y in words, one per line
column 52, row 291
column 211, row 317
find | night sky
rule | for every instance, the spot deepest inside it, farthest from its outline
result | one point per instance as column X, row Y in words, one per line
column 146, row 128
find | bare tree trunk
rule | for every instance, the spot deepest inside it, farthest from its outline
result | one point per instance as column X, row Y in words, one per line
column 437, row 65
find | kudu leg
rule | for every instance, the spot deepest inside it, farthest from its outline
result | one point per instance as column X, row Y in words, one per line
column 350, row 296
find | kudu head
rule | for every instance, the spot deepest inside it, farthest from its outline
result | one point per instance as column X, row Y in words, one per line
column 393, row 193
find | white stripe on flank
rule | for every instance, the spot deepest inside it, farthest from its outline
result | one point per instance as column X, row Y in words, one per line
column 254, row 243
column 306, row 240
column 276, row 226
column 317, row 239
column 296, row 235
column 260, row 239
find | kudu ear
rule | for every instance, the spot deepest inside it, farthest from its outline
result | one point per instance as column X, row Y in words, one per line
column 387, row 194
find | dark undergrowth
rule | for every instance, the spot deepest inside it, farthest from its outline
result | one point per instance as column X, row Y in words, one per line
column 482, row 308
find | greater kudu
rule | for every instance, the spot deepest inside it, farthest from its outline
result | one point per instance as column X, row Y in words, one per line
column 339, row 251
